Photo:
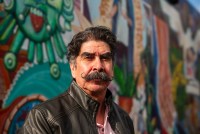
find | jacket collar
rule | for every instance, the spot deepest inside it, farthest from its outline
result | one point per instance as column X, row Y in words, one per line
column 86, row 101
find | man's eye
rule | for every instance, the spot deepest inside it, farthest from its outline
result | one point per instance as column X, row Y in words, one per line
column 106, row 57
column 89, row 57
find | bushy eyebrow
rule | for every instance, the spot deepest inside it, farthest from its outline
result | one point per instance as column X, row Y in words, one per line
column 85, row 54
column 104, row 55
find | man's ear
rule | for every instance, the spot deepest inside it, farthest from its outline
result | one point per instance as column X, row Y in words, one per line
column 72, row 68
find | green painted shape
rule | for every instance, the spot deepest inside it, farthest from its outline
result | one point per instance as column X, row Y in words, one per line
column 31, row 51
column 18, row 42
column 50, row 51
column 4, row 23
column 8, row 31
column 58, row 47
column 61, row 42
column 39, row 53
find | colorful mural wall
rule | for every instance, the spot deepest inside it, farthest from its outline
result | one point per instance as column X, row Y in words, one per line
column 157, row 71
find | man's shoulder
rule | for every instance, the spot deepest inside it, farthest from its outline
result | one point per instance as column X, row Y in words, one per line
column 120, row 110
column 59, row 104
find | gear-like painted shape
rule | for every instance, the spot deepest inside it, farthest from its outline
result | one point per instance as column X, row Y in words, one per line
column 10, row 60
column 55, row 70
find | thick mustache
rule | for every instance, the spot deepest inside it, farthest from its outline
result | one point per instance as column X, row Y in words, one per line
column 96, row 75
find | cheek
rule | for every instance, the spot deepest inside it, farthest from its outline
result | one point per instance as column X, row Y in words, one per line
column 110, row 71
column 83, row 69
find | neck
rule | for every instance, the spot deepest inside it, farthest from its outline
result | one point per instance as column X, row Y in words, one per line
column 98, row 96
column 101, row 113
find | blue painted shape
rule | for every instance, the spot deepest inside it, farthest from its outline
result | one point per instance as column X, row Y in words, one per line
column 20, row 115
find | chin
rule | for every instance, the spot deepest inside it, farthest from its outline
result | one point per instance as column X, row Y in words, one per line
column 101, row 84
column 97, row 88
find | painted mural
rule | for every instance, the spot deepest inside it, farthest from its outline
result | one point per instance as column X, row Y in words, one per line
column 157, row 70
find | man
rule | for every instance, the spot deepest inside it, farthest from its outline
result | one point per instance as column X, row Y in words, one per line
column 87, row 106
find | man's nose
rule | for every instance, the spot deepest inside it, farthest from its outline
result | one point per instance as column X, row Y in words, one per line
column 98, row 64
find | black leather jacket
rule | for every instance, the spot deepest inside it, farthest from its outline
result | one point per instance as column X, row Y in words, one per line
column 74, row 112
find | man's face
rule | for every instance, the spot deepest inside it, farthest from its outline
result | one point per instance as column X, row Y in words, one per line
column 94, row 56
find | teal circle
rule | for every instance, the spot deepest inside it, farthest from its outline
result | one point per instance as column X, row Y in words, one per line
column 55, row 71
column 10, row 61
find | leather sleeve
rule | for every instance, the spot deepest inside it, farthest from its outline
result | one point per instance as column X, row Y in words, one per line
column 35, row 123
column 125, row 120
column 131, row 126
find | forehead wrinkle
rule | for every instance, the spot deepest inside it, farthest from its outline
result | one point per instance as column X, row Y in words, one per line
column 94, row 45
